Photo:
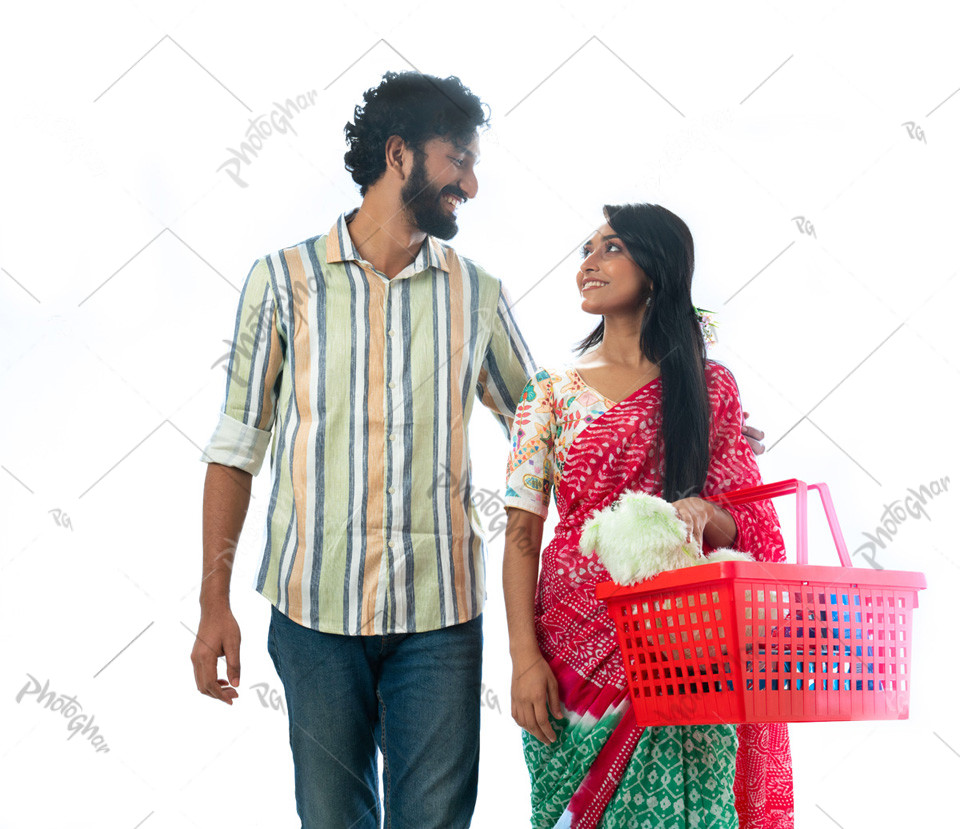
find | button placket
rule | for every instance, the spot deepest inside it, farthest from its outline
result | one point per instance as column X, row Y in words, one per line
column 394, row 404
column 389, row 299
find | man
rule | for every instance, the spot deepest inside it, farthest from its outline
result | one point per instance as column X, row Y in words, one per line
column 360, row 352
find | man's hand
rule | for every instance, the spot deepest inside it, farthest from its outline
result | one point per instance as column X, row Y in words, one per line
column 533, row 691
column 226, row 495
column 218, row 635
column 753, row 436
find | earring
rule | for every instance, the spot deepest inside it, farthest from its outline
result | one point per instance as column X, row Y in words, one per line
column 649, row 300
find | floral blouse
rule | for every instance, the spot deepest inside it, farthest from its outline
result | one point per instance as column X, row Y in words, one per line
column 554, row 408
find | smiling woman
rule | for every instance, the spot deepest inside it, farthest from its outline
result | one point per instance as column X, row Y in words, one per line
column 643, row 410
column 609, row 280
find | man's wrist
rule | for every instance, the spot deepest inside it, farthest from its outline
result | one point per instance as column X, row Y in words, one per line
column 213, row 600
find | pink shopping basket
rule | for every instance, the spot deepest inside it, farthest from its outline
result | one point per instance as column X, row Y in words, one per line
column 736, row 642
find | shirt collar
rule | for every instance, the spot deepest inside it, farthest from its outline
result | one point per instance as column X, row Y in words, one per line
column 340, row 248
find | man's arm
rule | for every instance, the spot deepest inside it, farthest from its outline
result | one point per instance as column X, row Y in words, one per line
column 226, row 496
column 507, row 365
column 233, row 456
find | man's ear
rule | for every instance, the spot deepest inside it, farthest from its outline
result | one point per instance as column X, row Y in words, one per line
column 395, row 151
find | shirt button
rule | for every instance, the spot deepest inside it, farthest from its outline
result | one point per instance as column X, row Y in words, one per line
column 391, row 385
column 392, row 490
column 393, row 436
column 390, row 544
column 391, row 332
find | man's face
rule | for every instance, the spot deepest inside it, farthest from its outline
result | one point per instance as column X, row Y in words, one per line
column 442, row 179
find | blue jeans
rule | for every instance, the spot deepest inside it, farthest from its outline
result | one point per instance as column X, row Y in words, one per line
column 416, row 696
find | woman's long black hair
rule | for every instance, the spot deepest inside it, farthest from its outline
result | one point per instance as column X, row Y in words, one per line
column 662, row 245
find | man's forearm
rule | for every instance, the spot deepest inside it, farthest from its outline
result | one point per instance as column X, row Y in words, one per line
column 226, row 496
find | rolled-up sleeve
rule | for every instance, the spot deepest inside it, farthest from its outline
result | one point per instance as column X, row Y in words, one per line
column 242, row 435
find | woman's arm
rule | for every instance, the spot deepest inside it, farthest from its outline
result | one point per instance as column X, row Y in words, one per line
column 534, row 691
column 534, row 687
column 734, row 466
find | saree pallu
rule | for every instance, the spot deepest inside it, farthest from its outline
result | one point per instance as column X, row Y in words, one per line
column 604, row 770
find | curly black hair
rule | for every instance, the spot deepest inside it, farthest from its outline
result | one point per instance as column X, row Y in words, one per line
column 414, row 106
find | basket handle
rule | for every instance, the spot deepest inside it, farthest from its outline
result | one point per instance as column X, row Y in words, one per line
column 757, row 493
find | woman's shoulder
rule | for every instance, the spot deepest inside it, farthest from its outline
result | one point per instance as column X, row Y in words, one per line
column 722, row 389
column 552, row 377
column 539, row 384
column 560, row 386
column 720, row 378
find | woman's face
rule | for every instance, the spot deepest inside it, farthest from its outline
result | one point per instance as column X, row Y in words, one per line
column 609, row 280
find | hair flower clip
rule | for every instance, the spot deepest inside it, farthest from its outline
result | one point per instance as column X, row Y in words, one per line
column 708, row 325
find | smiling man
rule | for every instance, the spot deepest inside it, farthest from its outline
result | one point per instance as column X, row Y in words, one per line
column 369, row 346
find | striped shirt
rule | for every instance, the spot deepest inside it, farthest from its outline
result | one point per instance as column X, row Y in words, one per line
column 366, row 385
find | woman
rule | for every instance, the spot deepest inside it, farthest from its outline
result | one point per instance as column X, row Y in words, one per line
column 642, row 409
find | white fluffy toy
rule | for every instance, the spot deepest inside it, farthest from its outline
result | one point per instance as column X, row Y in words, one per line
column 640, row 535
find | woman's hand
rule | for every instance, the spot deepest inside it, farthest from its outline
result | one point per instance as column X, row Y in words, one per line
column 695, row 513
column 533, row 692
column 705, row 519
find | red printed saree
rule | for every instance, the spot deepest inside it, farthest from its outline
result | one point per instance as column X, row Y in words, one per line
column 604, row 770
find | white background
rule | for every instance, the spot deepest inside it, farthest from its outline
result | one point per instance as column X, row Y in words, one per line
column 122, row 249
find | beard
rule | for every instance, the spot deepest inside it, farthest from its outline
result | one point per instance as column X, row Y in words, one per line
column 422, row 201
